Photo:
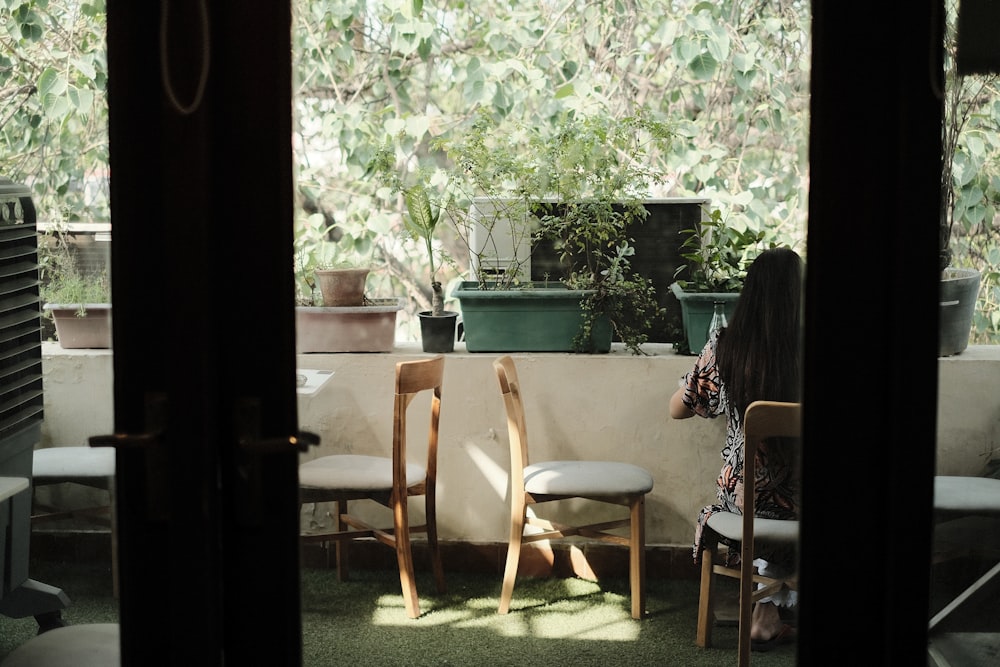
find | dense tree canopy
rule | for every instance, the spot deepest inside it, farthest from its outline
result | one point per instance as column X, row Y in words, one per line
column 731, row 78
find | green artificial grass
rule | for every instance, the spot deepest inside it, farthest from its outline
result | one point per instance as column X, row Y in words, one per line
column 362, row 622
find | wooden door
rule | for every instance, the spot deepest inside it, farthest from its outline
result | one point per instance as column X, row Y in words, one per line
column 201, row 192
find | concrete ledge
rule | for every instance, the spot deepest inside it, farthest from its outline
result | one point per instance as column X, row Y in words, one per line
column 600, row 407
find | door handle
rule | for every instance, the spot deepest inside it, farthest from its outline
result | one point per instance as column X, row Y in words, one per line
column 251, row 454
column 155, row 458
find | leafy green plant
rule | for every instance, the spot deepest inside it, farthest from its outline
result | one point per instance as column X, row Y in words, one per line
column 718, row 255
column 970, row 147
column 578, row 186
column 421, row 217
column 63, row 281
column 421, row 221
column 320, row 245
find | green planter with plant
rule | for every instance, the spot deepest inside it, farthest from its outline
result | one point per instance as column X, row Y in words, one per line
column 577, row 186
column 717, row 257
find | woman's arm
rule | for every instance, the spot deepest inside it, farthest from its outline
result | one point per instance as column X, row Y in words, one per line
column 677, row 408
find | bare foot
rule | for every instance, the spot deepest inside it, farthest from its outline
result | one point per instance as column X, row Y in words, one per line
column 765, row 621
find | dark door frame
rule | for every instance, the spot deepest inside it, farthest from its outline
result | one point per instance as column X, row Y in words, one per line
column 204, row 358
column 200, row 196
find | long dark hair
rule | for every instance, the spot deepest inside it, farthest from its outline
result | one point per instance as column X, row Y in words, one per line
column 758, row 353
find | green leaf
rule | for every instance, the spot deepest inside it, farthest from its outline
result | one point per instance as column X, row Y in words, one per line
column 50, row 82
column 564, row 91
column 422, row 219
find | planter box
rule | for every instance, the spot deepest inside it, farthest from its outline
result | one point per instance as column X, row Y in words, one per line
column 369, row 328
column 92, row 329
column 656, row 240
column 696, row 313
column 534, row 319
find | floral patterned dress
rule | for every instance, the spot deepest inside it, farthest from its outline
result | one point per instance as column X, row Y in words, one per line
column 777, row 481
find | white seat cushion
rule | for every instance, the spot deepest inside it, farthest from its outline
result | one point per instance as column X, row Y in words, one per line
column 84, row 465
column 10, row 486
column 730, row 524
column 586, row 478
column 353, row 472
column 88, row 645
column 970, row 495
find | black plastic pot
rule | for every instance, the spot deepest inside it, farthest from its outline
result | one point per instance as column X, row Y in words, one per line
column 438, row 333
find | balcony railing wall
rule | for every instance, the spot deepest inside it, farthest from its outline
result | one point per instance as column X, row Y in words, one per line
column 610, row 406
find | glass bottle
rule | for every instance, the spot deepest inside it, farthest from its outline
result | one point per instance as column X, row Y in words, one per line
column 718, row 317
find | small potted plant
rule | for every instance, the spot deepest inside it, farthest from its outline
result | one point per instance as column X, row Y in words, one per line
column 333, row 313
column 420, row 223
column 437, row 326
column 966, row 187
column 78, row 301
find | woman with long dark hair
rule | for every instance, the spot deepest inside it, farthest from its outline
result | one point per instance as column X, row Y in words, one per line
column 756, row 357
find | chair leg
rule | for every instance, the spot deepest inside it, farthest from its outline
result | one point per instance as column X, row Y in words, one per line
column 637, row 556
column 518, row 508
column 114, row 539
column 430, row 510
column 404, row 556
column 706, row 602
column 341, row 546
column 746, row 609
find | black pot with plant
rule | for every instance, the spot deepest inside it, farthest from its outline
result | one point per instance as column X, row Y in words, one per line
column 437, row 326
column 421, row 218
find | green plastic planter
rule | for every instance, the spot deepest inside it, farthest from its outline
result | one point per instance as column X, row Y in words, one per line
column 696, row 312
column 537, row 318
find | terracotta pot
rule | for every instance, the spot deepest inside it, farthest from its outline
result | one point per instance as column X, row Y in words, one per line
column 86, row 326
column 342, row 287
column 370, row 328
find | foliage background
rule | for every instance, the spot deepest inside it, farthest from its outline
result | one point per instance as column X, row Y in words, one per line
column 731, row 77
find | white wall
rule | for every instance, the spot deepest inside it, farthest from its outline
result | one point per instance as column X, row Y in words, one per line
column 600, row 407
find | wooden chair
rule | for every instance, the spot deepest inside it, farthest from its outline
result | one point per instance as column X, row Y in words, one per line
column 763, row 419
column 389, row 481
column 534, row 483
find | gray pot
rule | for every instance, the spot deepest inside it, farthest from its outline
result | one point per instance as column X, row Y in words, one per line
column 958, row 293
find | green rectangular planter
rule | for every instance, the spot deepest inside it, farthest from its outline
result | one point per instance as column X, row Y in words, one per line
column 540, row 318
column 696, row 312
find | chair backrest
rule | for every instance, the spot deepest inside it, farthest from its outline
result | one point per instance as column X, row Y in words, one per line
column 413, row 378
column 763, row 420
column 510, row 388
